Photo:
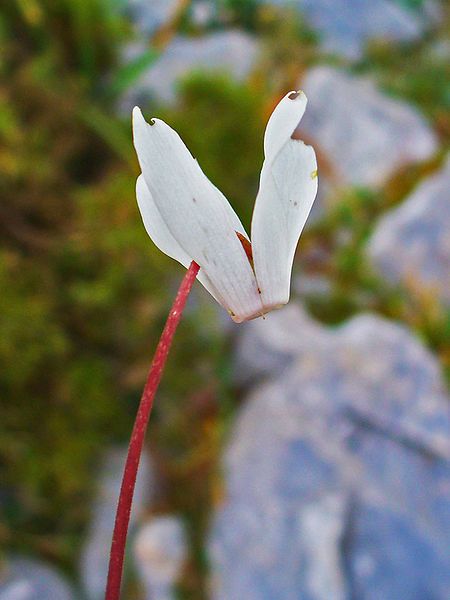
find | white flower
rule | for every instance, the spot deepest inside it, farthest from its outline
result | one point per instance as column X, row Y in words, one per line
column 188, row 218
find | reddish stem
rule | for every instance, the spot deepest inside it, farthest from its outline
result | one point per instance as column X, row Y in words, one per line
column 137, row 437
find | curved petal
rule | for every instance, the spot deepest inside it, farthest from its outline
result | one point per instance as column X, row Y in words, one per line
column 197, row 215
column 161, row 236
column 287, row 190
column 282, row 123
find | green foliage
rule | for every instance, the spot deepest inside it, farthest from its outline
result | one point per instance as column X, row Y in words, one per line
column 339, row 238
column 85, row 292
column 61, row 398
column 130, row 72
column 222, row 123
column 417, row 72
column 242, row 12
column 411, row 4
column 82, row 38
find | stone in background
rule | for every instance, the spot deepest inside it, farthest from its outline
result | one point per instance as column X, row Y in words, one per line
column 364, row 135
column 160, row 551
column 29, row 579
column 346, row 26
column 337, row 473
column 411, row 243
column 150, row 15
column 95, row 554
column 267, row 350
column 231, row 51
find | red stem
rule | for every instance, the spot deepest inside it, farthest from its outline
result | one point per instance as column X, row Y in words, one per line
column 137, row 437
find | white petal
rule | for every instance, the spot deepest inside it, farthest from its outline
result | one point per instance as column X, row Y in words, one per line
column 287, row 190
column 197, row 215
column 155, row 225
column 282, row 123
column 161, row 236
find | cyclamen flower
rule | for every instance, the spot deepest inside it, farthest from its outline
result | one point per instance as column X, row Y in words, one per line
column 189, row 219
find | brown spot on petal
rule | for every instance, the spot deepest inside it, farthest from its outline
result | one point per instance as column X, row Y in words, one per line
column 293, row 95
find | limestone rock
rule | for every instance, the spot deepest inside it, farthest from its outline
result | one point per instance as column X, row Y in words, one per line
column 29, row 579
column 363, row 134
column 95, row 554
column 232, row 52
column 337, row 475
column 160, row 550
column 411, row 243
column 346, row 26
column 149, row 16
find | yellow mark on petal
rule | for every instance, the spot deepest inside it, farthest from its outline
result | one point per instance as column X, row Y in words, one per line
column 314, row 174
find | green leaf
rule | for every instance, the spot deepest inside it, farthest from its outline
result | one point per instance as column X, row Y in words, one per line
column 130, row 73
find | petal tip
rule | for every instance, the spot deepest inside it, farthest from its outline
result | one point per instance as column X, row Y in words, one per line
column 297, row 95
column 137, row 113
column 138, row 118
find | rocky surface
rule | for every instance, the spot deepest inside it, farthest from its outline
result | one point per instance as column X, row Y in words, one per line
column 337, row 475
column 160, row 551
column 150, row 16
column 411, row 243
column 232, row 52
column 266, row 348
column 26, row 579
column 346, row 26
column 95, row 554
column 363, row 135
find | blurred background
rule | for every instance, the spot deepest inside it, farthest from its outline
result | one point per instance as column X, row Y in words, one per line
column 304, row 457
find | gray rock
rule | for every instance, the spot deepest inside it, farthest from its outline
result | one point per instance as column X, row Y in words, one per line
column 364, row 135
column 95, row 554
column 160, row 551
column 265, row 347
column 233, row 52
column 411, row 243
column 203, row 13
column 149, row 15
column 337, row 474
column 27, row 579
column 345, row 26
column 399, row 540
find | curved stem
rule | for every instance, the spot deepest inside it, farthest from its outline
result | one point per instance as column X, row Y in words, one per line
column 137, row 437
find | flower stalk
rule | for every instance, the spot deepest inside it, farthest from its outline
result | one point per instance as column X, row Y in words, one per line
column 137, row 437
